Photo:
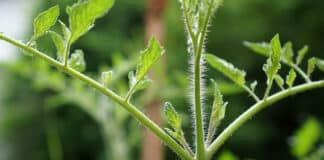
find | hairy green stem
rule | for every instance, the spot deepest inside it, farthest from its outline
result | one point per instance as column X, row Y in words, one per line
column 137, row 114
column 256, row 109
column 200, row 150
column 189, row 27
column 200, row 135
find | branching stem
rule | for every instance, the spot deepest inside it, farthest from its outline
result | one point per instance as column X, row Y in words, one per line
column 269, row 87
column 137, row 114
column 255, row 97
column 67, row 51
column 301, row 72
column 243, row 118
column 200, row 136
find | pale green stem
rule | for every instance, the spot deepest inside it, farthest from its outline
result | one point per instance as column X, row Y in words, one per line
column 211, row 131
column 269, row 87
column 67, row 51
column 131, row 91
column 189, row 27
column 137, row 114
column 182, row 140
column 255, row 97
column 301, row 72
column 200, row 135
column 200, row 150
column 247, row 115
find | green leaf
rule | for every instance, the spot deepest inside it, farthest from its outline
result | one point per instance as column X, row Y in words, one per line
column 276, row 49
column 317, row 154
column 131, row 79
column 305, row 138
column 106, row 77
column 218, row 97
column 279, row 81
column 44, row 21
column 226, row 155
column 217, row 112
column 66, row 31
column 290, row 79
column 288, row 53
column 59, row 44
column 320, row 64
column 176, row 135
column 172, row 117
column 236, row 75
column 311, row 66
column 149, row 57
column 77, row 61
column 143, row 84
column 272, row 66
column 83, row 14
column 262, row 48
column 301, row 54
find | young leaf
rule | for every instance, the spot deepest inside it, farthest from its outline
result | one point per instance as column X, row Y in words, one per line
column 66, row 31
column 218, row 97
column 306, row 137
column 311, row 66
column 143, row 84
column 279, row 81
column 59, row 44
column 291, row 78
column 131, row 79
column 149, row 57
column 301, row 54
column 276, row 49
column 174, row 120
column 262, row 48
column 44, row 21
column 83, row 14
column 217, row 113
column 236, row 75
column 172, row 117
column 320, row 64
column 106, row 77
column 176, row 135
column 253, row 85
column 273, row 63
column 288, row 53
column 77, row 61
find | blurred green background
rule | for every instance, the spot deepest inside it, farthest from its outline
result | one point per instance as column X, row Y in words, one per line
column 47, row 115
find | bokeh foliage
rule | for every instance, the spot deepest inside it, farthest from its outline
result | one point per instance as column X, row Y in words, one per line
column 119, row 36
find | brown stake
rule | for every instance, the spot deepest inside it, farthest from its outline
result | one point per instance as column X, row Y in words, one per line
column 152, row 149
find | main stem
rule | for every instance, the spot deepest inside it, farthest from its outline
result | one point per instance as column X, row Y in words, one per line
column 256, row 109
column 200, row 136
column 137, row 114
column 200, row 150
